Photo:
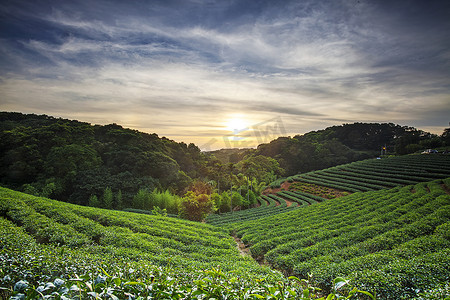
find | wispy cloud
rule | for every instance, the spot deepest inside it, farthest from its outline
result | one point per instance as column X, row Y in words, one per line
column 156, row 65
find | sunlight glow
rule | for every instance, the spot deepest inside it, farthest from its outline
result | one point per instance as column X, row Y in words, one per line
column 237, row 123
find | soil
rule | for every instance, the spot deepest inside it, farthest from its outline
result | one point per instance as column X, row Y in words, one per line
column 284, row 187
column 316, row 190
column 445, row 188
column 289, row 202
column 243, row 250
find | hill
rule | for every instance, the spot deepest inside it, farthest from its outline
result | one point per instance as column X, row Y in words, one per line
column 395, row 242
column 346, row 143
column 77, row 250
column 392, row 241
column 362, row 176
column 71, row 160
column 392, row 235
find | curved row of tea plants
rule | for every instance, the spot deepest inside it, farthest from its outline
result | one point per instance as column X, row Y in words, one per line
column 392, row 241
column 86, row 233
column 375, row 174
column 55, row 250
column 253, row 213
column 301, row 197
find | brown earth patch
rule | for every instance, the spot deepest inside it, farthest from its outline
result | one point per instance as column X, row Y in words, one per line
column 445, row 188
column 289, row 202
column 243, row 250
column 284, row 187
column 313, row 189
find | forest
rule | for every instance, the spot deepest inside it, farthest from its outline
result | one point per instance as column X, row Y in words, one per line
column 114, row 167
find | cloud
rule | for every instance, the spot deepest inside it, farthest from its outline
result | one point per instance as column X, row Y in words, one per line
column 183, row 67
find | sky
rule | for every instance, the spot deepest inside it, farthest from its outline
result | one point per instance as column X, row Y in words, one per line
column 228, row 73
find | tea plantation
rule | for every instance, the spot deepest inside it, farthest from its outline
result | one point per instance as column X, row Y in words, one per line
column 395, row 242
column 388, row 233
column 375, row 174
column 95, row 253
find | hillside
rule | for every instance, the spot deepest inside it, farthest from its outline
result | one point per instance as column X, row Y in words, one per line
column 71, row 160
column 396, row 222
column 391, row 240
column 43, row 240
column 346, row 143
column 362, row 176
column 395, row 242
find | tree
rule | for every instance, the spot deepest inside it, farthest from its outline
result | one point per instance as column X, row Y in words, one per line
column 215, row 197
column 225, row 201
column 196, row 207
column 446, row 137
column 93, row 201
column 237, row 199
column 201, row 187
column 140, row 199
column 107, row 199
column 250, row 198
column 119, row 200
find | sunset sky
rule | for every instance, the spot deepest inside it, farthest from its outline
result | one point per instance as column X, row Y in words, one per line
column 205, row 71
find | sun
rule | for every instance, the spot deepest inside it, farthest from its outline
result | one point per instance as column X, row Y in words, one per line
column 237, row 123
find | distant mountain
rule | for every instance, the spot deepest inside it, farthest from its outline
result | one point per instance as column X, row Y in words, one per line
column 230, row 155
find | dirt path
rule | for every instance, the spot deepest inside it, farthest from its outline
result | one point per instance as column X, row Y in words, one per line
column 243, row 250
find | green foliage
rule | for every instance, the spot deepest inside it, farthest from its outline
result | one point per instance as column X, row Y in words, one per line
column 141, row 199
column 375, row 174
column 196, row 207
column 107, row 199
column 338, row 145
column 225, row 202
column 160, row 259
column 118, row 200
column 394, row 242
column 264, row 210
column 93, row 201
column 259, row 167
column 250, row 199
column 157, row 211
column 236, row 199
column 70, row 160
column 217, row 199
column 147, row 200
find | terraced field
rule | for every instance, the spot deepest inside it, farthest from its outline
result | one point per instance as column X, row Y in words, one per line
column 390, row 235
column 392, row 241
column 268, row 206
column 362, row 176
column 43, row 239
column 375, row 174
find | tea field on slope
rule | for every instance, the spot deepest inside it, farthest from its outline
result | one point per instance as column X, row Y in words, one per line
column 392, row 238
column 362, row 176
column 392, row 241
column 375, row 174
column 49, row 247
